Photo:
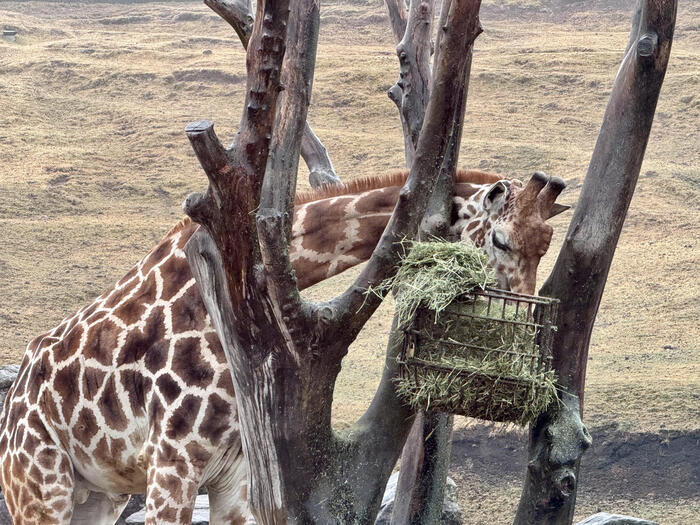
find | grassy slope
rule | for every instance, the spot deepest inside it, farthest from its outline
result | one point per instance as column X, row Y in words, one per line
column 94, row 165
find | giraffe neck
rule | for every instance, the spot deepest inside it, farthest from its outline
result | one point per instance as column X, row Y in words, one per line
column 334, row 234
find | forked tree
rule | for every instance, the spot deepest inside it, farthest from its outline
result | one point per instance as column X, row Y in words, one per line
column 285, row 352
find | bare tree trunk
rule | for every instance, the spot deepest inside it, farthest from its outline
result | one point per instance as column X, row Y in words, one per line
column 426, row 455
column 558, row 439
column 239, row 15
column 285, row 352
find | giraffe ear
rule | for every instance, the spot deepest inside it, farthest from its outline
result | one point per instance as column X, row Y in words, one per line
column 495, row 196
column 557, row 209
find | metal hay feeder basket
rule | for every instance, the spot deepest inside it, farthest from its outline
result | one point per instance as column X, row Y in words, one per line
column 509, row 337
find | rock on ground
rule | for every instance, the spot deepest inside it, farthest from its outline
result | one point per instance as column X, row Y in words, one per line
column 451, row 512
column 8, row 373
column 604, row 518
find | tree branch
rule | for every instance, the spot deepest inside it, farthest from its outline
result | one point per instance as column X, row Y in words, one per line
column 355, row 306
column 277, row 197
column 412, row 89
column 239, row 15
column 398, row 17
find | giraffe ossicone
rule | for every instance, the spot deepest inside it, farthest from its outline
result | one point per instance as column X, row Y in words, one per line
column 133, row 393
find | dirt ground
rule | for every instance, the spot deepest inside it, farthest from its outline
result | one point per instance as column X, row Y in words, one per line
column 94, row 164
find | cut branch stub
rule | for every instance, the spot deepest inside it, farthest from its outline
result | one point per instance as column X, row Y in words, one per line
column 210, row 152
column 646, row 47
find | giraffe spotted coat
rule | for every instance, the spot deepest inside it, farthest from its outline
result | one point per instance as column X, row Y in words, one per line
column 132, row 394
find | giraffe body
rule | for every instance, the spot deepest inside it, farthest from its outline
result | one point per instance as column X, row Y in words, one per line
column 133, row 394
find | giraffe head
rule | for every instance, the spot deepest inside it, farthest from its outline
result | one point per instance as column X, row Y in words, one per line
column 507, row 219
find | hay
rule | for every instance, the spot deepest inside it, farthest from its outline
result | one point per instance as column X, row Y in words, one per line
column 434, row 274
column 471, row 356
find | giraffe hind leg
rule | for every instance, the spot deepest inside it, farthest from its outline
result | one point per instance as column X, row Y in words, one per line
column 35, row 496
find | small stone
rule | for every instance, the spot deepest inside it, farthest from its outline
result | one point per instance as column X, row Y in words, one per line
column 604, row 518
column 451, row 511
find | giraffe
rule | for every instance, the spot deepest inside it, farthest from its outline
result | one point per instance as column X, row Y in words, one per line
column 133, row 394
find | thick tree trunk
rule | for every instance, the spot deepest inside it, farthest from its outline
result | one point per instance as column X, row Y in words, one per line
column 558, row 439
column 285, row 352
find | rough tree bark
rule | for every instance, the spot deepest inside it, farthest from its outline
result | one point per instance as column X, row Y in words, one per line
column 285, row 352
column 239, row 15
column 426, row 454
column 558, row 439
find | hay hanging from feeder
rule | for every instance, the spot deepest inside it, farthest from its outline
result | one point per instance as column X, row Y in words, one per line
column 469, row 349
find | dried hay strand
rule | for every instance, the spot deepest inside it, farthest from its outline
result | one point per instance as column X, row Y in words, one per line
column 469, row 355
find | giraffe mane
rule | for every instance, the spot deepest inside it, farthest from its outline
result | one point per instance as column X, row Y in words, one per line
column 362, row 184
column 392, row 178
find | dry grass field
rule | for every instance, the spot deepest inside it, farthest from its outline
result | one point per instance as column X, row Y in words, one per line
column 94, row 164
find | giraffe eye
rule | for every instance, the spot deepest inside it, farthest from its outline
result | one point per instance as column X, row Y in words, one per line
column 499, row 242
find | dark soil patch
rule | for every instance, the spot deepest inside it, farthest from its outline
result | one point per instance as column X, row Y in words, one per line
column 623, row 464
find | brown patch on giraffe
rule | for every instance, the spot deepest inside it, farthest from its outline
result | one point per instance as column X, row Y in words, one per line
column 67, row 385
column 86, row 427
column 178, row 271
column 199, row 456
column 155, row 412
column 110, row 407
column 167, row 514
column 31, row 443
column 168, row 388
column 170, row 484
column 135, row 385
column 108, row 453
column 132, row 310
column 39, row 373
column 225, row 383
column 216, row 419
column 92, row 380
column 190, row 365
column 96, row 317
column 161, row 251
column 87, row 312
column 102, row 340
column 370, row 230
column 215, row 346
column 182, row 420
column 378, row 201
column 119, row 294
column 69, row 345
column 47, row 458
column 151, row 337
column 132, row 273
column 16, row 413
column 188, row 312
column 234, row 517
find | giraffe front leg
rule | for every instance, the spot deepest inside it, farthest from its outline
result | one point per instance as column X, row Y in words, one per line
column 172, row 488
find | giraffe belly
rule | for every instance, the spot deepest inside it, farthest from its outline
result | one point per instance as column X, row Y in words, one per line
column 114, row 461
